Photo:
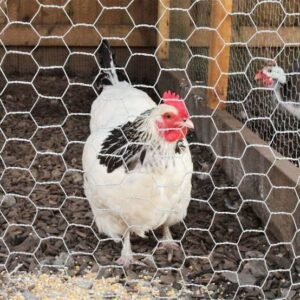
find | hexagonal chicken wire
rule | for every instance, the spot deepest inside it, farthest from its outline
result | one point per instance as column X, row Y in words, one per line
column 241, row 236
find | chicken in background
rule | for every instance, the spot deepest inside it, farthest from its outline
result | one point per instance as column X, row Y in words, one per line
column 137, row 163
column 286, row 87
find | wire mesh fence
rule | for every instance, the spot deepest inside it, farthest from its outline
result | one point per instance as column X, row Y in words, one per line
column 214, row 53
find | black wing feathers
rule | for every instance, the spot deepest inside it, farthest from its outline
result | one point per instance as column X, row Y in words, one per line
column 126, row 146
column 122, row 146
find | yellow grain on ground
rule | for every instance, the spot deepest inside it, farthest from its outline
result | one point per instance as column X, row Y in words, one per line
column 24, row 286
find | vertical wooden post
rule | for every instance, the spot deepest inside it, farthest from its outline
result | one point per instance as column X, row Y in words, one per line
column 163, row 28
column 220, row 19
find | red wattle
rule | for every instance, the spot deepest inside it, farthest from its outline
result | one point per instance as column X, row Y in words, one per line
column 174, row 135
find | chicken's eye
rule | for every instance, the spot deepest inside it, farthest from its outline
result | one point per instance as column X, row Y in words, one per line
column 168, row 116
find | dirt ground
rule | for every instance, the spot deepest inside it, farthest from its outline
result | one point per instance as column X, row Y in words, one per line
column 223, row 244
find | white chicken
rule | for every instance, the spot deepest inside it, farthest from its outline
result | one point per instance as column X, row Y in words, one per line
column 137, row 163
column 286, row 86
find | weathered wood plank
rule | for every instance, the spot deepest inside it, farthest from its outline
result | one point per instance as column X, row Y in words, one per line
column 290, row 35
column 25, row 36
column 221, row 20
column 163, row 28
column 13, row 10
column 84, row 11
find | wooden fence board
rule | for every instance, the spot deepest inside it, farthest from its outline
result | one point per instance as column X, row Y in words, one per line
column 221, row 20
column 164, row 29
column 87, row 11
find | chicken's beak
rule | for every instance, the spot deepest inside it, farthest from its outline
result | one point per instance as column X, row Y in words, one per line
column 188, row 123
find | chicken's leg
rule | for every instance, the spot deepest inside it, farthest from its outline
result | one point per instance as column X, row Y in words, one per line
column 126, row 257
column 168, row 242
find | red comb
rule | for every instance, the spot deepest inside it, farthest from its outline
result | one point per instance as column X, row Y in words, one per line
column 175, row 100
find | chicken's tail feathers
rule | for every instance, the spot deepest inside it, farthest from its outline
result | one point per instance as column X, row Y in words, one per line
column 106, row 55
column 110, row 73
